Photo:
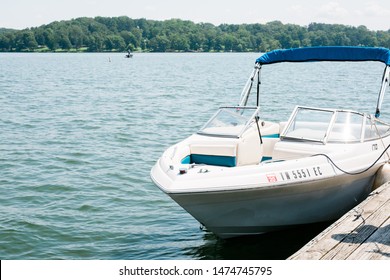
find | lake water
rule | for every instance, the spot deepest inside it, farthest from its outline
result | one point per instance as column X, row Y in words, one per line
column 80, row 133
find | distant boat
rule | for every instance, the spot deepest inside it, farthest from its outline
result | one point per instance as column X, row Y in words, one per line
column 129, row 54
column 241, row 175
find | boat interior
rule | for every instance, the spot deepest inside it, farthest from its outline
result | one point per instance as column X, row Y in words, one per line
column 235, row 136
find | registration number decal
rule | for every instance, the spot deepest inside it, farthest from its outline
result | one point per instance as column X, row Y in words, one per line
column 298, row 174
column 302, row 173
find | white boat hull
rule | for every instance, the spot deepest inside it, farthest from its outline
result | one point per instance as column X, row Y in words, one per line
column 257, row 199
column 259, row 210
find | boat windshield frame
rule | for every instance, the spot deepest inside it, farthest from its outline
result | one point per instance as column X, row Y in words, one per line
column 218, row 127
column 302, row 129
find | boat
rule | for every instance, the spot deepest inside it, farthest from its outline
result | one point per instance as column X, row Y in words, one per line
column 243, row 175
column 129, row 54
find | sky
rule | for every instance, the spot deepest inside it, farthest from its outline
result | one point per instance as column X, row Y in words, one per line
column 374, row 14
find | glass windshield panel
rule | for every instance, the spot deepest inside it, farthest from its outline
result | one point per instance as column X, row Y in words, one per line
column 309, row 124
column 230, row 121
column 375, row 129
column 370, row 131
column 347, row 127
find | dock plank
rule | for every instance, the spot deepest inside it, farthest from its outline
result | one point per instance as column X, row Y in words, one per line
column 376, row 247
column 351, row 241
column 362, row 233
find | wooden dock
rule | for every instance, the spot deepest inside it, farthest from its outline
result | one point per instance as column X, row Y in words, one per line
column 361, row 234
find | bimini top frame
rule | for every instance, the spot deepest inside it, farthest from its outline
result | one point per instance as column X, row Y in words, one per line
column 321, row 54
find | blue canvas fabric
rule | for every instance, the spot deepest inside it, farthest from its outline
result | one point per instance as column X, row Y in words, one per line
column 326, row 54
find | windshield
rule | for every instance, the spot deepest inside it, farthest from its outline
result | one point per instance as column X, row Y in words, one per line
column 230, row 121
column 308, row 124
column 347, row 127
column 326, row 125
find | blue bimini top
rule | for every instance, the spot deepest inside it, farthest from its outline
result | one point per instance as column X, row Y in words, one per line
column 326, row 54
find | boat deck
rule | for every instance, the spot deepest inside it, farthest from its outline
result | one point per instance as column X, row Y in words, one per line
column 361, row 234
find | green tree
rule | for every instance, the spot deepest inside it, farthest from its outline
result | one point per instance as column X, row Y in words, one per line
column 114, row 42
column 119, row 33
column 319, row 38
column 50, row 39
column 40, row 36
column 230, row 42
column 129, row 39
column 95, row 43
column 5, row 44
column 179, row 43
column 124, row 23
column 159, row 44
column 341, row 39
column 25, row 40
column 196, row 41
column 137, row 33
column 63, row 41
column 76, row 36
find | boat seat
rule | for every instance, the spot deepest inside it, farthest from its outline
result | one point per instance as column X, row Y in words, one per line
column 232, row 152
column 213, row 154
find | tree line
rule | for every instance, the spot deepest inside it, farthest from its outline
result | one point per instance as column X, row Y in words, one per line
column 102, row 34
